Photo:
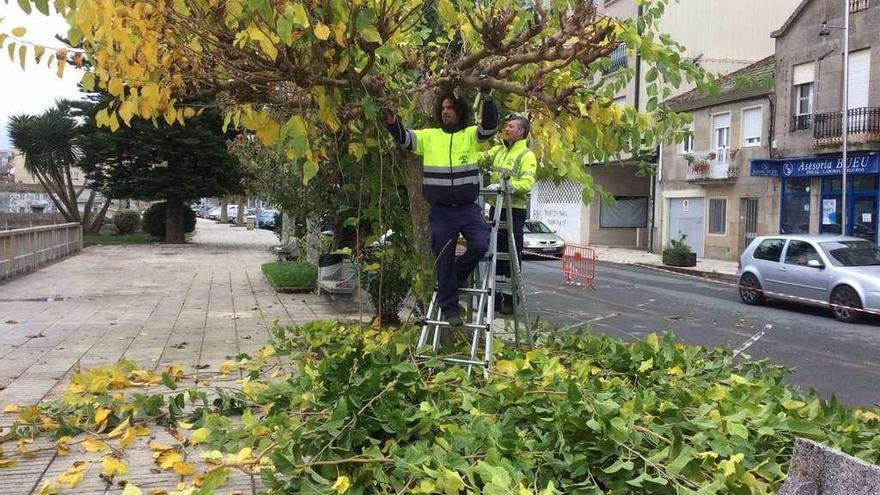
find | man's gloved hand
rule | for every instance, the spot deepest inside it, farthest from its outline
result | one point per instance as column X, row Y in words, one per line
column 493, row 187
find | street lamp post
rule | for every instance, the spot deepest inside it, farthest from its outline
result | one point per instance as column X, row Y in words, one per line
column 844, row 114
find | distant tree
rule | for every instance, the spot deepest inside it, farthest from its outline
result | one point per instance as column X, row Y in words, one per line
column 159, row 162
column 51, row 145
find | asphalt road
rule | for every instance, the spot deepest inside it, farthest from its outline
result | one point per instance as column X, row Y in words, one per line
column 631, row 302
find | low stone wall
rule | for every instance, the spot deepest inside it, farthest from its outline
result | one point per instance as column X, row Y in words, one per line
column 25, row 250
column 9, row 221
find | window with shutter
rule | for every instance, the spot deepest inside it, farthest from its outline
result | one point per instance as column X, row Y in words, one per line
column 752, row 118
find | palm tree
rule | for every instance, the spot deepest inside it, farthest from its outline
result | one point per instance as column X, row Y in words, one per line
column 49, row 144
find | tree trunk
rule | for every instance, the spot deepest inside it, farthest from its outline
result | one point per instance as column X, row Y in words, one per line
column 98, row 219
column 224, row 213
column 418, row 211
column 239, row 216
column 174, row 221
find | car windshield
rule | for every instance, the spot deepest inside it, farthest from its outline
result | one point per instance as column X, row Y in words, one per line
column 536, row 227
column 852, row 253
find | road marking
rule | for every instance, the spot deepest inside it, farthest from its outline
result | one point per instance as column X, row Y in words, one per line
column 753, row 339
column 581, row 323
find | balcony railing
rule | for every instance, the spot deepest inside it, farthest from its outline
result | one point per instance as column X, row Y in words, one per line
column 618, row 59
column 801, row 122
column 863, row 124
column 857, row 5
column 711, row 165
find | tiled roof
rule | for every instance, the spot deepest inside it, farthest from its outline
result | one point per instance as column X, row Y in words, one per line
column 748, row 82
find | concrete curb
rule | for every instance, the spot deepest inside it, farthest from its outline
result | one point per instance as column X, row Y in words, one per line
column 711, row 275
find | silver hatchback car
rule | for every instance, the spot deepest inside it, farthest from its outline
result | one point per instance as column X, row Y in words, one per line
column 833, row 271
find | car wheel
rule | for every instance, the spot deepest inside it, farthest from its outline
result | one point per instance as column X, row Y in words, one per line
column 750, row 290
column 846, row 304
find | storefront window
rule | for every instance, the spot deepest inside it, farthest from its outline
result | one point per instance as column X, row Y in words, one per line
column 795, row 206
column 864, row 183
column 829, row 221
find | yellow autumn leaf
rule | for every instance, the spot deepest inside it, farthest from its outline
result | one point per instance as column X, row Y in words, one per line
column 12, row 408
column 506, row 367
column 793, row 404
column 119, row 430
column 200, row 435
column 158, row 447
column 339, row 31
column 243, row 454
column 184, row 425
column 101, row 415
column 110, row 467
column 653, row 342
column 60, row 70
column 523, row 490
column 22, row 55
column 19, row 31
column 227, row 367
column 49, row 488
column 38, row 53
column 870, row 416
column 342, row 484
column 130, row 489
column 74, row 475
column 268, row 132
column 168, row 458
column 127, row 438
column 94, row 445
column 322, row 32
column 7, row 463
column 184, row 468
column 675, row 371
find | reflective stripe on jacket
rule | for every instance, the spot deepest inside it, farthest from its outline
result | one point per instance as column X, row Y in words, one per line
column 451, row 164
column 518, row 162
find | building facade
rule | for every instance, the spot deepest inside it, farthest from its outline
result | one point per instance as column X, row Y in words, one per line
column 706, row 194
column 723, row 36
column 806, row 166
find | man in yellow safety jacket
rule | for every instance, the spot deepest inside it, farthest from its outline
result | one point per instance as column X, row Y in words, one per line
column 515, row 160
column 451, row 184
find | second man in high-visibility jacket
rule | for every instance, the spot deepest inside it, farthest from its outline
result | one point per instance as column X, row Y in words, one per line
column 451, row 184
column 513, row 159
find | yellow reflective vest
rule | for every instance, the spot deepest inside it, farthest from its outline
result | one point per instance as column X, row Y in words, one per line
column 519, row 163
column 451, row 164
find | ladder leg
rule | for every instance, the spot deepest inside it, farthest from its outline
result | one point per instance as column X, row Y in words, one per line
column 423, row 337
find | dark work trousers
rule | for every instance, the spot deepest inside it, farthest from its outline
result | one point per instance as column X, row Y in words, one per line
column 446, row 223
column 519, row 223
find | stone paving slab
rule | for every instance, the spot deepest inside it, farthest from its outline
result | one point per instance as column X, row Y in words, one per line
column 197, row 304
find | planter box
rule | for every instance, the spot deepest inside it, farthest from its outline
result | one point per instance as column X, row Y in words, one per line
column 672, row 260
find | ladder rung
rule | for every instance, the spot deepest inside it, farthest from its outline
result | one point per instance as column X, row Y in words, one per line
column 502, row 225
column 491, row 192
column 463, row 361
column 472, row 326
column 468, row 290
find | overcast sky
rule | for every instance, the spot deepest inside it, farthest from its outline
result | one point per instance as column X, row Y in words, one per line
column 36, row 88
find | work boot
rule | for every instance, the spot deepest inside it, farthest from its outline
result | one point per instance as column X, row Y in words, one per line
column 454, row 321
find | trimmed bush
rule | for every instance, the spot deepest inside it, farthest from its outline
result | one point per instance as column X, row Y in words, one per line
column 127, row 221
column 109, row 229
column 154, row 220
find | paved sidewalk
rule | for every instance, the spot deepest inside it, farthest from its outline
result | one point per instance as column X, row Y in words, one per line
column 196, row 304
column 713, row 268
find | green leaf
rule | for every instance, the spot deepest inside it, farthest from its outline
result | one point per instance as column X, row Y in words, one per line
column 215, row 479
column 646, row 365
column 298, row 15
column 371, row 34
column 25, row 6
column 42, row 6
column 168, row 381
column 679, row 463
column 310, row 170
column 624, row 464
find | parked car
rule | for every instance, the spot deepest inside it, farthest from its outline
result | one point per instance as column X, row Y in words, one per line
column 839, row 272
column 266, row 220
column 539, row 238
column 213, row 213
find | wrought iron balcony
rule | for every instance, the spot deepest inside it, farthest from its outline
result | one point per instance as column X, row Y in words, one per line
column 711, row 165
column 863, row 125
column 801, row 122
column 618, row 59
column 857, row 5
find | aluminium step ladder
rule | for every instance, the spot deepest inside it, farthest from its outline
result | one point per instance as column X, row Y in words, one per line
column 479, row 297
